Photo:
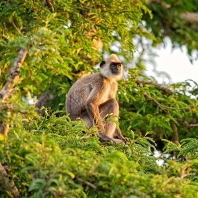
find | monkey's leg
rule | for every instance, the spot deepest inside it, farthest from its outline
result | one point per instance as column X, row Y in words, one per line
column 108, row 108
column 84, row 116
column 104, row 138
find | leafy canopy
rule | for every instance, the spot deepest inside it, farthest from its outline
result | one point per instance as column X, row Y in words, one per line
column 51, row 156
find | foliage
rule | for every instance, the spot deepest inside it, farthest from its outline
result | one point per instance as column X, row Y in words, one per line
column 53, row 161
column 180, row 23
column 69, row 25
column 52, row 156
column 165, row 111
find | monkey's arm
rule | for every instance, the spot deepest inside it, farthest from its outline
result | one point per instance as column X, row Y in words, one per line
column 92, row 106
column 93, row 111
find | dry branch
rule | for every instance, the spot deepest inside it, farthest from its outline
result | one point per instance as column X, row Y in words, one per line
column 14, row 75
column 8, row 87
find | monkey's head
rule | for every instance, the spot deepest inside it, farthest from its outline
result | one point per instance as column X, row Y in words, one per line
column 112, row 68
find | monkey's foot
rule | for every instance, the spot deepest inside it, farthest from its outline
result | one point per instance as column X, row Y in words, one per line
column 104, row 138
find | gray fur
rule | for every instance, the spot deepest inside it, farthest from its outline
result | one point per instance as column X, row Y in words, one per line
column 93, row 99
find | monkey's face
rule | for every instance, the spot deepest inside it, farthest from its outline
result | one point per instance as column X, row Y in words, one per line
column 116, row 67
column 113, row 70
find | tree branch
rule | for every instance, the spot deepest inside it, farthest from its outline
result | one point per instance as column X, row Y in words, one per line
column 13, row 75
column 4, row 126
column 17, row 29
column 163, row 107
column 188, row 125
column 160, row 2
column 7, row 184
column 161, row 87
column 190, row 16
column 176, row 135
column 8, row 87
column 49, row 4
column 86, row 182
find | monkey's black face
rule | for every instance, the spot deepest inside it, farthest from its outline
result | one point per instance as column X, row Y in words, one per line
column 116, row 67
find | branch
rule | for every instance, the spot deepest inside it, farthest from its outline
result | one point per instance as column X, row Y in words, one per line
column 50, row 4
column 7, row 184
column 8, row 87
column 160, row 2
column 14, row 75
column 190, row 16
column 86, row 182
column 176, row 138
column 163, row 107
column 161, row 87
column 188, row 125
column 176, row 135
column 4, row 126
column 17, row 29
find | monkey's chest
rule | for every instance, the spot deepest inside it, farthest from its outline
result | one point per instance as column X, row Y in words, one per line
column 107, row 94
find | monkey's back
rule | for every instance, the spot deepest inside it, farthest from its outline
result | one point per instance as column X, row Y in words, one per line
column 79, row 93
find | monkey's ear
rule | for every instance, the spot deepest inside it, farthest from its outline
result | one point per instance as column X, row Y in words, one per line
column 102, row 63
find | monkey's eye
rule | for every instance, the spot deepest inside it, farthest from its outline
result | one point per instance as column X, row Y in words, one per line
column 116, row 64
column 113, row 65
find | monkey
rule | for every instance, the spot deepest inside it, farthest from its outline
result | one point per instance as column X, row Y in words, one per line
column 93, row 99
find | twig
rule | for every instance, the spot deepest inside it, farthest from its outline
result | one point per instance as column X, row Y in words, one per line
column 188, row 125
column 176, row 135
column 193, row 125
column 163, row 107
column 4, row 128
column 86, row 182
column 50, row 4
column 161, row 87
column 17, row 29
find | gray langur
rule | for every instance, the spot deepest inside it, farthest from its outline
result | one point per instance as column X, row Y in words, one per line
column 93, row 99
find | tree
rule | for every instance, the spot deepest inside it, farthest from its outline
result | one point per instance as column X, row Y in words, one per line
column 47, row 45
column 180, row 23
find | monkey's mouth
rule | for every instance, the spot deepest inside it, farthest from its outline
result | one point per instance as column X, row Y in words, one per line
column 116, row 71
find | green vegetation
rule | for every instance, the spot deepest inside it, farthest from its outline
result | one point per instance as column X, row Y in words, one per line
column 54, row 159
column 57, row 41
